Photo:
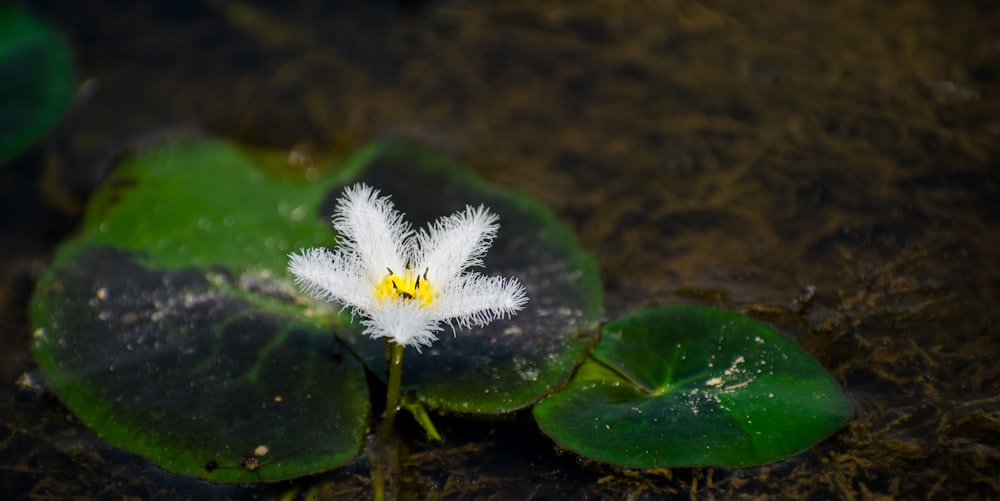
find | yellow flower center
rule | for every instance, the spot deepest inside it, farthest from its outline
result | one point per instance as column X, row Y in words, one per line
column 405, row 287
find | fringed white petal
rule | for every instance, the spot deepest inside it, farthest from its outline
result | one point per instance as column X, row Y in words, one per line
column 475, row 299
column 454, row 243
column 405, row 323
column 373, row 236
column 369, row 228
column 331, row 276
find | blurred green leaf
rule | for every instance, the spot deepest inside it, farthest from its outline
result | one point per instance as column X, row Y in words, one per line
column 36, row 83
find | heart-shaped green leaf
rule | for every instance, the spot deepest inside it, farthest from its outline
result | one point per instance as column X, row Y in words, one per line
column 509, row 363
column 36, row 82
column 687, row 385
column 170, row 326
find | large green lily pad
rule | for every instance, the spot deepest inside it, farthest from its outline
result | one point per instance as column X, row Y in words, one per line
column 508, row 364
column 36, row 83
column 688, row 385
column 170, row 326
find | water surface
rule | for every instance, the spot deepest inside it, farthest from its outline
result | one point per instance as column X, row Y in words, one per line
column 829, row 167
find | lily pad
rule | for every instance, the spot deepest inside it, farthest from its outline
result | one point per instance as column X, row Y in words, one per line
column 37, row 80
column 687, row 385
column 508, row 364
column 170, row 326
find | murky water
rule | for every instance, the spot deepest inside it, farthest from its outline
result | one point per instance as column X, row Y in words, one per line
column 829, row 167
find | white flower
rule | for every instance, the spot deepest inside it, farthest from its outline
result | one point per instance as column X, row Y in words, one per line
column 406, row 283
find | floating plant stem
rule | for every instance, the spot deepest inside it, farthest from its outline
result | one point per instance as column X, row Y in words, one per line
column 394, row 361
column 373, row 272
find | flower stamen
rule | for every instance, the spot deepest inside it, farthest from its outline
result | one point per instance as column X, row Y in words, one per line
column 406, row 287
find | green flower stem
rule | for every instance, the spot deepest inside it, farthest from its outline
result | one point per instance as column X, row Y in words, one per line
column 394, row 360
column 378, row 477
column 379, row 455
